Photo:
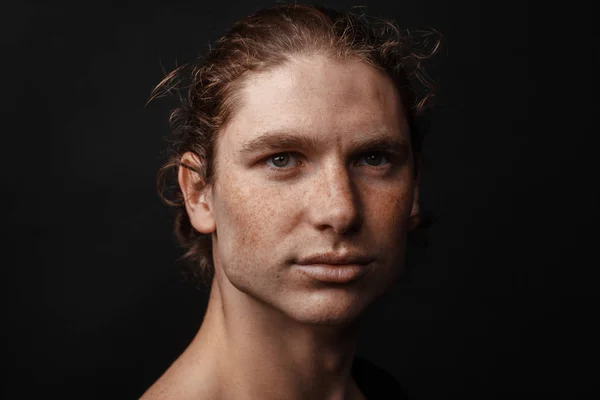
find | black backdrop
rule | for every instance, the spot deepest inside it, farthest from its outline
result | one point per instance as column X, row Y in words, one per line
column 499, row 303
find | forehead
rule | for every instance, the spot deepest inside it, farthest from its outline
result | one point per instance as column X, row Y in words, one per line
column 316, row 95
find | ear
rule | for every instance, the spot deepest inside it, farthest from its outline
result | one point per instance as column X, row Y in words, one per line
column 197, row 196
column 415, row 216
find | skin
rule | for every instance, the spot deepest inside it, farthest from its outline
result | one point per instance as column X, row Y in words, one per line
column 271, row 332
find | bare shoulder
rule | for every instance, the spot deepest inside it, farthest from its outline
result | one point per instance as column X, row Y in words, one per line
column 184, row 380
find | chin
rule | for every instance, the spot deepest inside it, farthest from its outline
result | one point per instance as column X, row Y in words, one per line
column 326, row 319
column 329, row 309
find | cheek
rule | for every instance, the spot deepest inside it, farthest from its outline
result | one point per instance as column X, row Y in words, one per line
column 388, row 225
column 250, row 216
column 391, row 207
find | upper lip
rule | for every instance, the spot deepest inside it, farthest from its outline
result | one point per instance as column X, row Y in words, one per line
column 336, row 259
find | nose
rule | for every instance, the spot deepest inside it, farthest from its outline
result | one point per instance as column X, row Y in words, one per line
column 335, row 202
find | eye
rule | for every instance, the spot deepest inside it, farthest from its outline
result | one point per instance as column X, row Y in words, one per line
column 280, row 161
column 376, row 158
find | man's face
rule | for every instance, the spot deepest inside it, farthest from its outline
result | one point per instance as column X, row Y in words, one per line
column 273, row 206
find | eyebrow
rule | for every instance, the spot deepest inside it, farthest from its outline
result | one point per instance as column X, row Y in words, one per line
column 282, row 140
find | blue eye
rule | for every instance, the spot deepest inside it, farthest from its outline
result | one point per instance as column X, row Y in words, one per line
column 375, row 156
column 279, row 159
column 280, row 162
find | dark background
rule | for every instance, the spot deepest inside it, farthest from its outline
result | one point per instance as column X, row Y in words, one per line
column 500, row 303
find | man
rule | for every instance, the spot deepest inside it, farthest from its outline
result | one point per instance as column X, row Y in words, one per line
column 298, row 182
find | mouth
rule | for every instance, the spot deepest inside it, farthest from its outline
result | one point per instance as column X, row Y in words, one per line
column 333, row 273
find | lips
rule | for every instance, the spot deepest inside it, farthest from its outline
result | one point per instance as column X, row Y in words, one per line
column 335, row 267
column 347, row 258
column 333, row 273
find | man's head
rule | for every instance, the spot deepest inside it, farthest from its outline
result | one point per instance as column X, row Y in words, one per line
column 299, row 136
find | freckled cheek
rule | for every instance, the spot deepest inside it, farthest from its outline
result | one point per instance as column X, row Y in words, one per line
column 389, row 224
column 390, row 211
column 255, row 215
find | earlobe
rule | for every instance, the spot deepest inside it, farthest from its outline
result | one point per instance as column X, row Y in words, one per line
column 197, row 196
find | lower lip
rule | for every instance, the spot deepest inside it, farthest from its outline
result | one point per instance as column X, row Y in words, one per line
column 333, row 273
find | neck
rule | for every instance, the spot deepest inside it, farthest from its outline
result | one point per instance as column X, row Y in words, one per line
column 263, row 353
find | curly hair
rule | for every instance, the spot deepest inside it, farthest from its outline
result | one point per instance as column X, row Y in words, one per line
column 208, row 89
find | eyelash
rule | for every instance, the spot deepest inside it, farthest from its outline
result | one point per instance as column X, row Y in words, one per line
column 387, row 155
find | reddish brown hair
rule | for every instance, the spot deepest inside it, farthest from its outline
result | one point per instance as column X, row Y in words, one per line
column 264, row 40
